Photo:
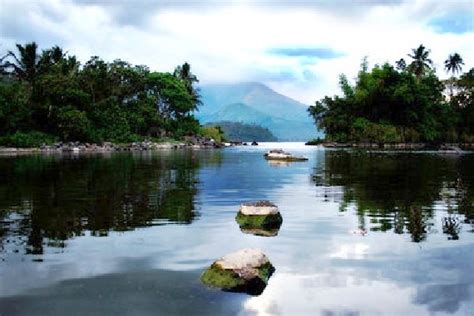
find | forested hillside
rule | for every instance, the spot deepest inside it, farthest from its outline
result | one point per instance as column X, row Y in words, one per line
column 236, row 131
column 49, row 95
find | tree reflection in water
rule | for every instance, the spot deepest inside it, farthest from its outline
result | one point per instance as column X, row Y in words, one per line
column 47, row 200
column 399, row 192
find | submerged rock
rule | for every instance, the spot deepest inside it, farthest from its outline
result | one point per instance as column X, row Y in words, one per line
column 260, row 218
column 272, row 232
column 246, row 270
column 279, row 154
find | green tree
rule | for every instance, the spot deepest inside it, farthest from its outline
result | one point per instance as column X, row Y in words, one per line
column 421, row 63
column 453, row 65
column 49, row 94
column 184, row 74
column 25, row 64
column 172, row 98
column 384, row 105
column 463, row 103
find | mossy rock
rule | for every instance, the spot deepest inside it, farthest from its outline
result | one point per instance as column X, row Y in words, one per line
column 231, row 281
column 246, row 271
column 267, row 222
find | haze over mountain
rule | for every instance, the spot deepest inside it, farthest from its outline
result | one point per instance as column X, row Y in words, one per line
column 253, row 102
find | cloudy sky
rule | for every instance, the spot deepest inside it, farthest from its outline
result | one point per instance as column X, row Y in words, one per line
column 298, row 47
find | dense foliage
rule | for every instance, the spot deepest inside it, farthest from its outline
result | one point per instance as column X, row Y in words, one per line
column 405, row 103
column 236, row 131
column 51, row 96
column 214, row 132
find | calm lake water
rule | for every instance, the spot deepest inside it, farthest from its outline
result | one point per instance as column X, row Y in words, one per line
column 130, row 233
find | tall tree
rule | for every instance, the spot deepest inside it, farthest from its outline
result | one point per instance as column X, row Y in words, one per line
column 453, row 65
column 421, row 63
column 184, row 74
column 25, row 64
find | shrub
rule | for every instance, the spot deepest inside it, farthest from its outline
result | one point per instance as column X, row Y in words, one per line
column 187, row 125
column 213, row 132
column 27, row 139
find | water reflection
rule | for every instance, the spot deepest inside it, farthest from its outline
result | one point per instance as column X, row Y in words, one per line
column 278, row 164
column 349, row 237
column 47, row 200
column 400, row 192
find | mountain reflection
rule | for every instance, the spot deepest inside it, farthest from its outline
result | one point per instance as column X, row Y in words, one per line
column 400, row 192
column 47, row 200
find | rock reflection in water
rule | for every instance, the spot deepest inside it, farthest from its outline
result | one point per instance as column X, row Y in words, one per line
column 278, row 163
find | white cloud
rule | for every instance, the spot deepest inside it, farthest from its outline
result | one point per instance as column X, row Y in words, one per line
column 226, row 43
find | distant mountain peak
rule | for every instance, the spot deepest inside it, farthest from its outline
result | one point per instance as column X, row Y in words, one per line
column 254, row 102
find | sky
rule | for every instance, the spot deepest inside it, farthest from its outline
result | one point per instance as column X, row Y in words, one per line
column 297, row 47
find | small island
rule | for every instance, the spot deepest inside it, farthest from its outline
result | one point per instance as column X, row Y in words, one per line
column 402, row 106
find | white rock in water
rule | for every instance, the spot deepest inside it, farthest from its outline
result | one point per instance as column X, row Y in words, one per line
column 248, row 258
column 279, row 154
column 259, row 208
column 246, row 270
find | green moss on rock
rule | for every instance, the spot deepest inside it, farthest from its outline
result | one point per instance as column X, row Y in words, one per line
column 266, row 271
column 229, row 280
column 270, row 221
column 217, row 277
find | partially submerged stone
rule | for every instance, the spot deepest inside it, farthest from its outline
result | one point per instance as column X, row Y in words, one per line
column 259, row 215
column 246, row 270
column 279, row 154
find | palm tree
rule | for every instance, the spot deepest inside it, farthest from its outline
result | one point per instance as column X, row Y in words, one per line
column 184, row 74
column 24, row 65
column 420, row 62
column 454, row 65
column 51, row 56
column 3, row 66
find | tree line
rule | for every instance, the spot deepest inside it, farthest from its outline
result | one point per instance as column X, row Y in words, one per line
column 404, row 102
column 49, row 96
column 238, row 131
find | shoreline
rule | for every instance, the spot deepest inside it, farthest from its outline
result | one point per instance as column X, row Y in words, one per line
column 77, row 147
column 442, row 147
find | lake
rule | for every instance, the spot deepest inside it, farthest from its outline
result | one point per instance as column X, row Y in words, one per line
column 130, row 233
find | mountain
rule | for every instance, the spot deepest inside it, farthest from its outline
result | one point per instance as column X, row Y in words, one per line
column 255, row 103
column 238, row 112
